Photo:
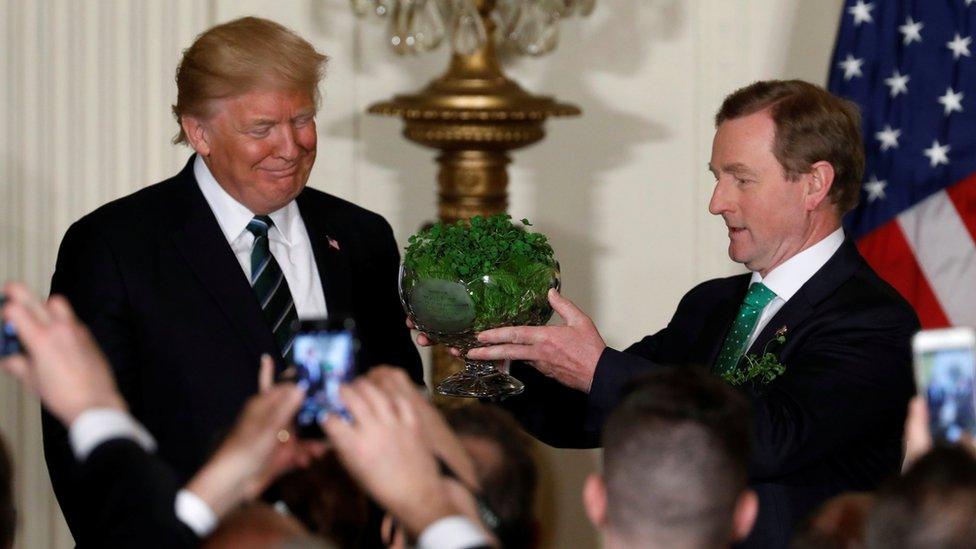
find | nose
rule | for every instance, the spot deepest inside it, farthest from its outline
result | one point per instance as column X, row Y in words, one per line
column 720, row 202
column 288, row 148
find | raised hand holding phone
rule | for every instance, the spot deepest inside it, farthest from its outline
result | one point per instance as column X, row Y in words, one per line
column 325, row 356
column 945, row 374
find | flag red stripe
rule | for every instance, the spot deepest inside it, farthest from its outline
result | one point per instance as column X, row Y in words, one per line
column 963, row 196
column 888, row 253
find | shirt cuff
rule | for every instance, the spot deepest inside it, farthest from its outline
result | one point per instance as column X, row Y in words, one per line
column 98, row 425
column 454, row 532
column 195, row 513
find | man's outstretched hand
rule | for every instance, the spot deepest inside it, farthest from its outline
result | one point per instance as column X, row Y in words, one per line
column 567, row 353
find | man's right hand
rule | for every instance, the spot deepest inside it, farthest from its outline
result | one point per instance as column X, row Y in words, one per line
column 567, row 352
column 385, row 450
column 258, row 450
column 63, row 365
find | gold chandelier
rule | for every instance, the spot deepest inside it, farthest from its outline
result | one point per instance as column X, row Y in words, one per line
column 473, row 114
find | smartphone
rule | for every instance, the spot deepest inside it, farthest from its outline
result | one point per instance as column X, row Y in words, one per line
column 325, row 356
column 945, row 373
column 9, row 344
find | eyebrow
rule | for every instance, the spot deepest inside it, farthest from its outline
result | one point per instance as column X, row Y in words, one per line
column 734, row 168
column 260, row 122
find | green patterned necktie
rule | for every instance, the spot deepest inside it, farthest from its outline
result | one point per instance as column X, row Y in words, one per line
column 756, row 300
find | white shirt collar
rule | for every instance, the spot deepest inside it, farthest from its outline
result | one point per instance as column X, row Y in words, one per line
column 787, row 278
column 233, row 217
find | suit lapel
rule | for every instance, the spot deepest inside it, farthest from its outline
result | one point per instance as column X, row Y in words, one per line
column 200, row 241
column 822, row 284
column 331, row 253
column 718, row 323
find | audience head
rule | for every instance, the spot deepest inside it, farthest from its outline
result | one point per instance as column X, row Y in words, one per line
column 327, row 501
column 259, row 525
column 838, row 524
column 8, row 518
column 812, row 125
column 932, row 505
column 674, row 465
column 505, row 466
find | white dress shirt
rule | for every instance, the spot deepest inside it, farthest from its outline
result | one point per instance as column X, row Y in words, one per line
column 454, row 532
column 288, row 240
column 99, row 425
column 786, row 279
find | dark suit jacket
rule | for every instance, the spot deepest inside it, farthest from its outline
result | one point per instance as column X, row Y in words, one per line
column 133, row 498
column 831, row 423
column 156, row 281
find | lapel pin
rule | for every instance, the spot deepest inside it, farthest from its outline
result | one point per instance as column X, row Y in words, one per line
column 332, row 243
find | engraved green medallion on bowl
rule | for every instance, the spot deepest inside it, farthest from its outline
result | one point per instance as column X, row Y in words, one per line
column 463, row 278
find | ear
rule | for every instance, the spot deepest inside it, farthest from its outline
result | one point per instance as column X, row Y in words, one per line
column 595, row 500
column 197, row 133
column 820, row 180
column 746, row 510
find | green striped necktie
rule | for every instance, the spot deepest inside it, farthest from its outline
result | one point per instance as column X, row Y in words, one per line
column 271, row 288
column 734, row 347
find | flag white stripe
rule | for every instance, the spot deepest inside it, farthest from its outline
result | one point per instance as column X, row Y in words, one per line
column 946, row 253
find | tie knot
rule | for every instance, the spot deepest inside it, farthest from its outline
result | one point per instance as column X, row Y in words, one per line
column 759, row 295
column 259, row 225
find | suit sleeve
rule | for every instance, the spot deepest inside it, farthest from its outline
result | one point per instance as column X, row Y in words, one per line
column 568, row 418
column 850, row 380
column 132, row 494
column 87, row 274
column 383, row 330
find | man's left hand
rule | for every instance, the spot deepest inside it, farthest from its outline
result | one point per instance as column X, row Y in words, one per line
column 566, row 353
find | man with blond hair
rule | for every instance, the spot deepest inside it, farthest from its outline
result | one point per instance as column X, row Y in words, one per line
column 186, row 283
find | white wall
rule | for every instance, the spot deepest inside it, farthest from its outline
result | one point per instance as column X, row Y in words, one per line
column 622, row 191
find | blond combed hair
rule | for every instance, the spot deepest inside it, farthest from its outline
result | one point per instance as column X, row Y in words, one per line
column 241, row 56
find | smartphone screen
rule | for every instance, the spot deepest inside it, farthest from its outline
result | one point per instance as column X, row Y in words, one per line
column 9, row 344
column 946, row 372
column 324, row 357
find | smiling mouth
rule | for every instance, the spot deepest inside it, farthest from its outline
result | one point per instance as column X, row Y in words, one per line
column 284, row 172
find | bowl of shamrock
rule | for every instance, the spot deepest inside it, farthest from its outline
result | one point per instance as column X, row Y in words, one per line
column 463, row 278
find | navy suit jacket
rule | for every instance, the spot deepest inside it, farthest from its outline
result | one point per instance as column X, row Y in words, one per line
column 154, row 278
column 831, row 423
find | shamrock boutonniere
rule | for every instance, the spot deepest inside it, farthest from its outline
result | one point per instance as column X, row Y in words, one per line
column 761, row 369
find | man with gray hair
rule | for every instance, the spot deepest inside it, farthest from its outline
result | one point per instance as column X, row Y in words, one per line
column 186, row 283
column 813, row 337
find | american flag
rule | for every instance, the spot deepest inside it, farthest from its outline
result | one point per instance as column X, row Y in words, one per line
column 910, row 66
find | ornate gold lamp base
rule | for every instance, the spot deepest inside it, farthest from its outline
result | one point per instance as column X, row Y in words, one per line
column 474, row 115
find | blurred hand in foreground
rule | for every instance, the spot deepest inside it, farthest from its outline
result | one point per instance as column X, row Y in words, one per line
column 62, row 365
column 385, row 449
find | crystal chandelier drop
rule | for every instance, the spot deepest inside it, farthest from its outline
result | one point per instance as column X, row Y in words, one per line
column 529, row 27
